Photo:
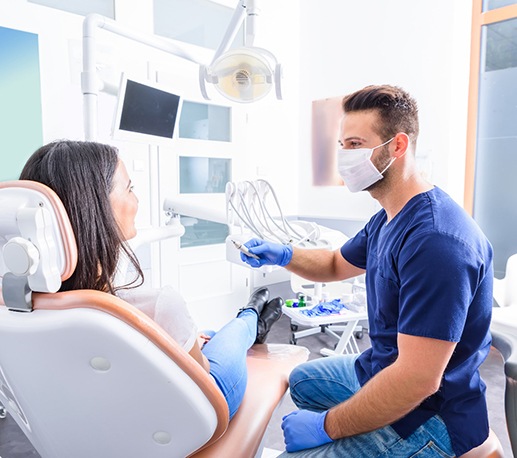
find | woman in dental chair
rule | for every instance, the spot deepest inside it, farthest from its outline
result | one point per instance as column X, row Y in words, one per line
column 95, row 188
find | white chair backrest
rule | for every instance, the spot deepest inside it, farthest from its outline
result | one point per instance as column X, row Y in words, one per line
column 85, row 374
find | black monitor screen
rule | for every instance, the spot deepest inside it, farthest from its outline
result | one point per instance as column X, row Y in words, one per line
column 148, row 110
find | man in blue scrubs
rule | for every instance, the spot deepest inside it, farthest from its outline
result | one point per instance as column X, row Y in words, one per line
column 429, row 275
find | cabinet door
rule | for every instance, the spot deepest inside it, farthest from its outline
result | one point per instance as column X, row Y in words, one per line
column 209, row 152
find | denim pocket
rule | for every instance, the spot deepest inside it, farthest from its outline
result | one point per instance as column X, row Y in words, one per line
column 431, row 450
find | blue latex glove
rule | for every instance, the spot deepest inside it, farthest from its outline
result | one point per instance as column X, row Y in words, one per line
column 269, row 253
column 304, row 429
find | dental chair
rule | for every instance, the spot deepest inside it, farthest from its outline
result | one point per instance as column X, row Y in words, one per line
column 85, row 374
column 507, row 346
column 504, row 338
column 504, row 315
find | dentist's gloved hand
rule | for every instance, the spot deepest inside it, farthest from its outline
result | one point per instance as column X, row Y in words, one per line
column 304, row 429
column 269, row 253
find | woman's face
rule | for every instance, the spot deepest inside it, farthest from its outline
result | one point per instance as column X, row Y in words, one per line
column 124, row 202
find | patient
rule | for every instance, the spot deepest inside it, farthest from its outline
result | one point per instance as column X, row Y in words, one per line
column 95, row 188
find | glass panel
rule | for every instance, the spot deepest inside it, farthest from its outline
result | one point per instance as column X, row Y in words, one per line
column 204, row 174
column 501, row 45
column 494, row 4
column 104, row 7
column 21, row 128
column 199, row 232
column 205, row 122
column 495, row 206
column 200, row 22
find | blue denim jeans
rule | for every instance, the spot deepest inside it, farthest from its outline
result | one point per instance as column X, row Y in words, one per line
column 226, row 351
column 323, row 383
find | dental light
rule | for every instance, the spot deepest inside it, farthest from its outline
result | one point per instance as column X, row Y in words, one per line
column 243, row 75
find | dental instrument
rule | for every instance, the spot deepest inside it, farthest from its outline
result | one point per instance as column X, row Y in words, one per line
column 244, row 249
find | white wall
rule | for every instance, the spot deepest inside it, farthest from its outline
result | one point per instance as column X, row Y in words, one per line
column 273, row 135
column 422, row 46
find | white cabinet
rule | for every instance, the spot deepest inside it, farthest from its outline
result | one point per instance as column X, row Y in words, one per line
column 210, row 150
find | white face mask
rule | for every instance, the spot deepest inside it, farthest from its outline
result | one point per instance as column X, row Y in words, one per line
column 357, row 169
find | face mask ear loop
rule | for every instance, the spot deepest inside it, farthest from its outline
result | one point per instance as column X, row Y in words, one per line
column 392, row 160
column 389, row 165
column 379, row 146
column 385, row 143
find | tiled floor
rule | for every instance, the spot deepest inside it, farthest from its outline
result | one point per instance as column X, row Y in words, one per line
column 270, row 453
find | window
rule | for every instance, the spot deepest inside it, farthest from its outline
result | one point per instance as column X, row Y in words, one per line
column 491, row 184
column 494, row 4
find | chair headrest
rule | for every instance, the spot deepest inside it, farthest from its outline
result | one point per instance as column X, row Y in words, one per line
column 38, row 250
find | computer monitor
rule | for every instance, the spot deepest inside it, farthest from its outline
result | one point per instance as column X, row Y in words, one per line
column 146, row 112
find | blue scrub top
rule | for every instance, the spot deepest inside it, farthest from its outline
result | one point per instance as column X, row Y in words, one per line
column 429, row 273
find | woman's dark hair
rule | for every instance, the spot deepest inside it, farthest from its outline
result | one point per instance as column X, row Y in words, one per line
column 397, row 110
column 81, row 174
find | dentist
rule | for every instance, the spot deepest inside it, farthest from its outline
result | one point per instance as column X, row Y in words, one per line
column 417, row 390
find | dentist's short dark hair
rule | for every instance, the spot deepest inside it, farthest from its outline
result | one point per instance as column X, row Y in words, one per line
column 397, row 110
column 81, row 174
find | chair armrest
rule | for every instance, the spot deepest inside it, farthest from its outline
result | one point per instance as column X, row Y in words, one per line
column 507, row 345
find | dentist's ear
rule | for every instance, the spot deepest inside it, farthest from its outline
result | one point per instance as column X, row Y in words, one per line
column 402, row 143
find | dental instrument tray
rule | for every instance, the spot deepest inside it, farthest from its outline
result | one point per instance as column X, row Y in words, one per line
column 323, row 313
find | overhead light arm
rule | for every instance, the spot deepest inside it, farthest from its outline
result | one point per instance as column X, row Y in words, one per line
column 233, row 27
column 245, row 9
column 252, row 13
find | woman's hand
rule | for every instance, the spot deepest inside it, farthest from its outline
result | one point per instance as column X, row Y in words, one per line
column 202, row 339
